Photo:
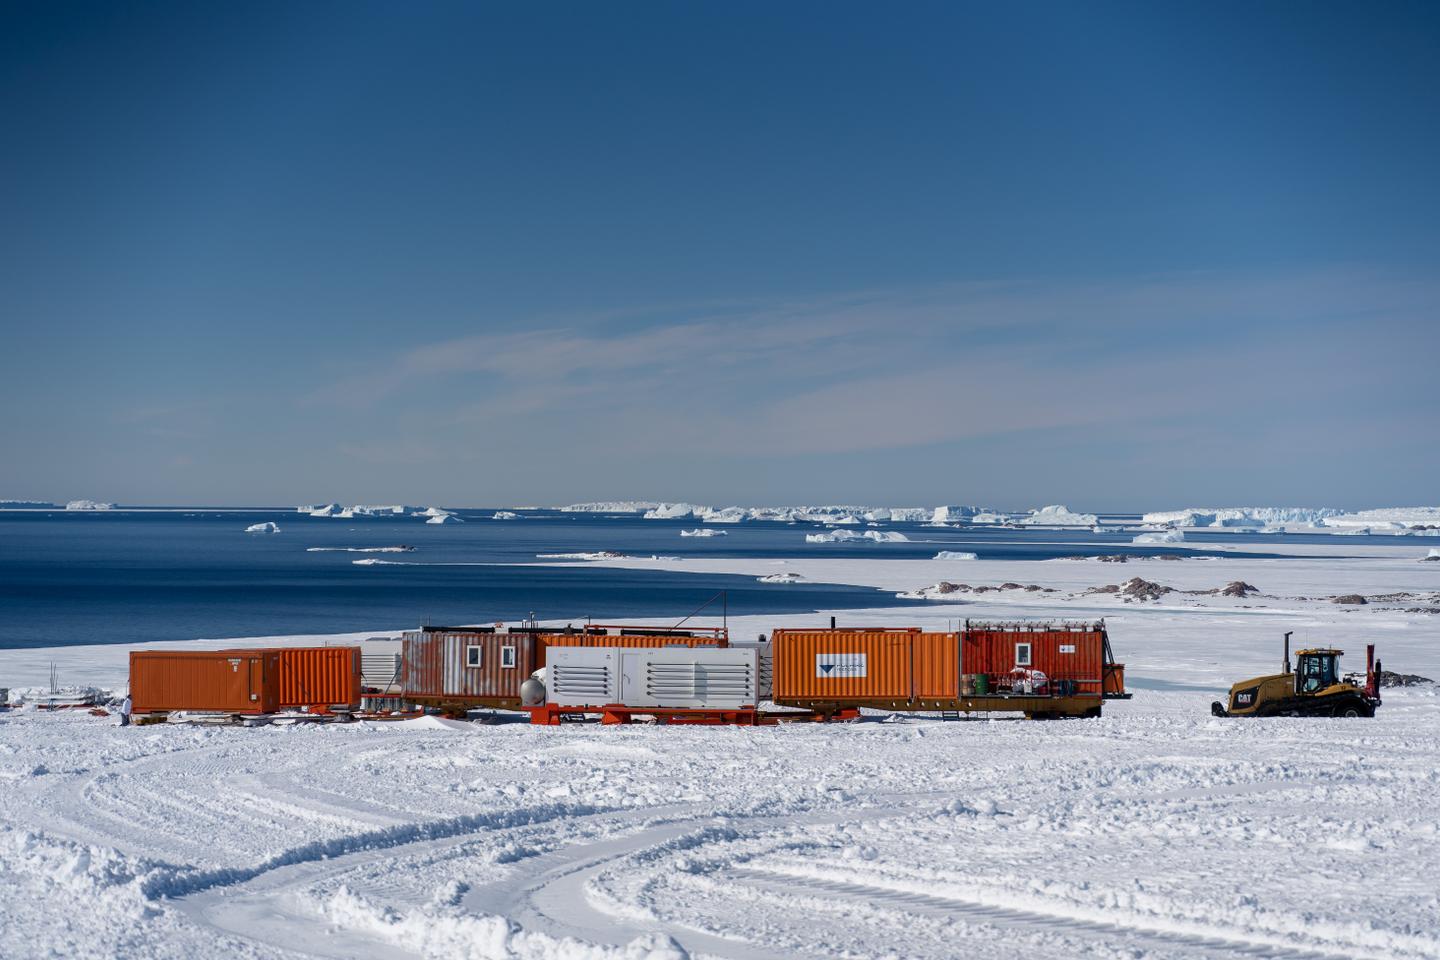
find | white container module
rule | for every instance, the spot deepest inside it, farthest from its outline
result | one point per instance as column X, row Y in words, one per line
column 582, row 676
column 666, row 677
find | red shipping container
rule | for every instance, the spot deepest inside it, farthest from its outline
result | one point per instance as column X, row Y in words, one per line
column 220, row 681
column 1005, row 651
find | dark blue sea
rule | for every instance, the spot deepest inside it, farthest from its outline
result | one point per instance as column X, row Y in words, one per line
column 131, row 576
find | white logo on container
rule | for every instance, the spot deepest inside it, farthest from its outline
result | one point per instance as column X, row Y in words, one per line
column 828, row 665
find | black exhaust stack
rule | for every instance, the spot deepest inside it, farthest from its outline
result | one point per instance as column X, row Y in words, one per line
column 1287, row 650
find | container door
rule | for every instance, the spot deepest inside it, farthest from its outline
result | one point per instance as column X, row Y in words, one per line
column 634, row 691
column 255, row 680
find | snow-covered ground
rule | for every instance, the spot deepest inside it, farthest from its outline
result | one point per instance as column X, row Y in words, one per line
column 1154, row 832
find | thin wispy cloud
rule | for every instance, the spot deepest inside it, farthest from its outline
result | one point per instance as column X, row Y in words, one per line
column 880, row 370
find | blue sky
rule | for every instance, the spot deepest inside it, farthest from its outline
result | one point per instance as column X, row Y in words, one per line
column 1114, row 255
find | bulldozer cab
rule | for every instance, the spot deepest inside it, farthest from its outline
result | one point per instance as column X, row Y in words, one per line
column 1316, row 670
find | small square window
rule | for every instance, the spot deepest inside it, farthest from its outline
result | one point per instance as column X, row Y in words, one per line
column 473, row 656
column 1022, row 654
column 507, row 658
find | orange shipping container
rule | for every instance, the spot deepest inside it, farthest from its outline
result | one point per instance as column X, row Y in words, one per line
column 630, row 641
column 319, row 676
column 864, row 665
column 223, row 681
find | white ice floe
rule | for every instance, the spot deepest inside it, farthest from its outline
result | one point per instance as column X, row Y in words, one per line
column 1434, row 554
column 955, row 555
column 505, row 515
column 1058, row 515
column 702, row 532
column 88, row 505
column 850, row 536
column 1163, row 536
column 780, row 578
column 269, row 526
column 402, row 548
column 593, row 555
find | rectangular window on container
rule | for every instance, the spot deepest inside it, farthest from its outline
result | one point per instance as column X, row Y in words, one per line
column 507, row 657
column 473, row 656
column 1022, row 654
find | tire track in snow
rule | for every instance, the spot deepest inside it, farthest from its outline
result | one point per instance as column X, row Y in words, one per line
column 1218, row 942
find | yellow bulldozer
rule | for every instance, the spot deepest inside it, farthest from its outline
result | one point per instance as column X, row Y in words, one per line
column 1314, row 689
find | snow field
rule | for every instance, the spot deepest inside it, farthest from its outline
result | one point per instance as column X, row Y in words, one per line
column 1193, row 836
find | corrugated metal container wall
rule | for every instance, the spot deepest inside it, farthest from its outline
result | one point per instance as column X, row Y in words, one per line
column 441, row 665
column 223, row 681
column 842, row 664
column 319, row 676
column 937, row 665
column 619, row 640
column 1077, row 655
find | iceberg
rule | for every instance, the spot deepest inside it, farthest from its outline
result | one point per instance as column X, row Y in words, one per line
column 728, row 515
column 704, row 533
column 444, row 518
column 673, row 511
column 780, row 578
column 506, row 515
column 1058, row 515
column 269, row 526
column 949, row 514
column 955, row 555
column 597, row 555
column 1165, row 536
column 25, row 504
column 987, row 516
column 88, row 505
column 835, row 536
column 1212, row 516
